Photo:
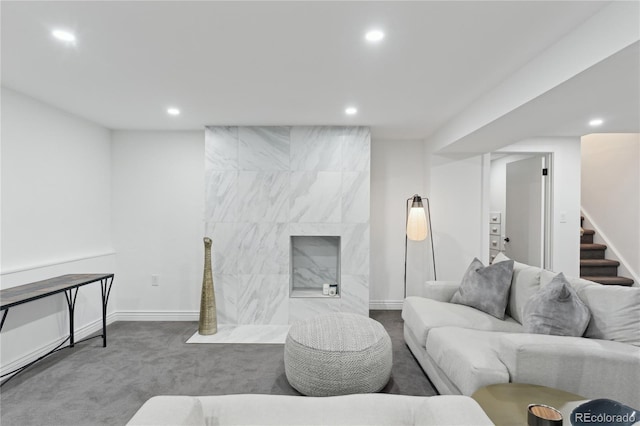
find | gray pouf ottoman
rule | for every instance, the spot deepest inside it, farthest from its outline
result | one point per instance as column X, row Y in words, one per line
column 337, row 354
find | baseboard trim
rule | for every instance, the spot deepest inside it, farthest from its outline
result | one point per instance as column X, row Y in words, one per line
column 386, row 305
column 80, row 333
column 157, row 316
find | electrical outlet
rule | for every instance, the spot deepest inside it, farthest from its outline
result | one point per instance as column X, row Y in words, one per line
column 155, row 280
column 563, row 217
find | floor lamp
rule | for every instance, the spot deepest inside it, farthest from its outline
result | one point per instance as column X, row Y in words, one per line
column 417, row 229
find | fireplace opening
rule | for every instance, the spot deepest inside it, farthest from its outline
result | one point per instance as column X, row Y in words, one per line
column 315, row 266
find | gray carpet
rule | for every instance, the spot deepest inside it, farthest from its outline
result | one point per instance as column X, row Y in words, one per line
column 91, row 385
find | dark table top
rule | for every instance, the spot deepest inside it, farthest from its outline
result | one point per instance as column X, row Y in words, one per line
column 36, row 290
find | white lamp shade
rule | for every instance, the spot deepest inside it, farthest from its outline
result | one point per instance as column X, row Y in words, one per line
column 417, row 224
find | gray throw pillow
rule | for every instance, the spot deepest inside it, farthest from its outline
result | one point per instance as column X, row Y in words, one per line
column 556, row 309
column 486, row 287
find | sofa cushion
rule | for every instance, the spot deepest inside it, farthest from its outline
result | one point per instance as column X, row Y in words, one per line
column 359, row 409
column 469, row 358
column 524, row 283
column 166, row 410
column 486, row 287
column 592, row 368
column 421, row 315
column 579, row 283
column 615, row 312
column 546, row 276
column 556, row 309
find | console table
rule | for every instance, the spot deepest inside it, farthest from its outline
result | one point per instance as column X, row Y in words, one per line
column 67, row 284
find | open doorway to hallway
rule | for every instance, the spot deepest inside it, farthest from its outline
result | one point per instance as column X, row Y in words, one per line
column 520, row 207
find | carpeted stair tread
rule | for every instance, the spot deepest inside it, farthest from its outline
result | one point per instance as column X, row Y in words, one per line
column 592, row 251
column 592, row 246
column 599, row 262
column 587, row 236
column 599, row 267
column 610, row 280
column 593, row 265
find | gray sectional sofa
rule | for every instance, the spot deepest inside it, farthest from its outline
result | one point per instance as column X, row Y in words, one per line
column 463, row 349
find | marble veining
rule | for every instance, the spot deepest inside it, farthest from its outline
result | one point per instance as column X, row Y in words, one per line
column 263, row 248
column 265, row 184
column 301, row 309
column 221, row 151
column 314, row 261
column 315, row 251
column 221, row 196
column 225, row 246
column 316, row 149
column 355, row 294
column 316, row 197
column 355, row 249
column 263, row 148
column 355, row 197
column 356, row 149
column 305, row 278
column 226, row 287
column 267, row 334
column 315, row 229
column 263, row 299
column 263, row 197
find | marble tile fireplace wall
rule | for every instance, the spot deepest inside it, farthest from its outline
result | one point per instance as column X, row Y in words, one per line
column 266, row 184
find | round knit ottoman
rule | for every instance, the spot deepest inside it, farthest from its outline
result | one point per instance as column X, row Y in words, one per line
column 337, row 354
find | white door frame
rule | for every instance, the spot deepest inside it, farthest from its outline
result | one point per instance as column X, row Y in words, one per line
column 548, row 207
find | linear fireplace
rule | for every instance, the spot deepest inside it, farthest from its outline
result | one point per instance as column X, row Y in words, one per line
column 315, row 266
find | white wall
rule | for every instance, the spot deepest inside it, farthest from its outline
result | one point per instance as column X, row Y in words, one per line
column 158, row 216
column 158, row 187
column 460, row 226
column 56, row 219
column 565, row 175
column 55, row 184
column 610, row 196
column 461, row 200
column 397, row 172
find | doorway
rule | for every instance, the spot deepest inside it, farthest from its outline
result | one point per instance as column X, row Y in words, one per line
column 520, row 186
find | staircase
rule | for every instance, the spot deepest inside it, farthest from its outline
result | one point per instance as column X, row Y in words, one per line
column 593, row 265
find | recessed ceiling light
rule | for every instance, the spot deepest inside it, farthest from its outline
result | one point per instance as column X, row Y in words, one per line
column 65, row 36
column 351, row 111
column 374, row 36
column 596, row 122
column 173, row 111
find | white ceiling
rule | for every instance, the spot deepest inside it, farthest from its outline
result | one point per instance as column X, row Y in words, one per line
column 275, row 63
column 609, row 90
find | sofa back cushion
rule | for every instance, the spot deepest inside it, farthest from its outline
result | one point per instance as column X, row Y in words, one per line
column 615, row 311
column 524, row 283
column 546, row 276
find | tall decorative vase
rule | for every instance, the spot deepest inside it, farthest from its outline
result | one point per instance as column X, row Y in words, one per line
column 208, row 322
